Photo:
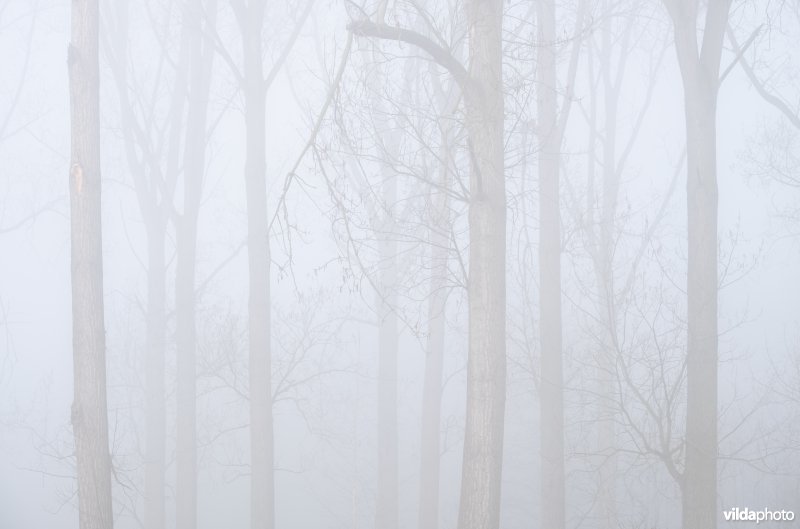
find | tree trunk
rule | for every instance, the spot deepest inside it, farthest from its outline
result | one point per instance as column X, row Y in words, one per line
column 155, row 461
column 700, row 73
column 89, row 407
column 201, row 62
column 700, row 475
column 262, row 494
column 482, row 85
column 430, row 459
column 486, row 370
column 151, row 206
column 604, row 270
column 386, row 509
column 552, row 384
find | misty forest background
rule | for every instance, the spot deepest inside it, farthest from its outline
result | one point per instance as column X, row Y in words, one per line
column 398, row 264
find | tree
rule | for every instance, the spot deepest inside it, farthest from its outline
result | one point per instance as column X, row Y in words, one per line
column 89, row 408
column 262, row 493
column 482, row 85
column 439, row 240
column 395, row 137
column 199, row 20
column 552, row 120
column 600, row 220
column 250, row 16
column 383, row 223
column 154, row 167
column 700, row 72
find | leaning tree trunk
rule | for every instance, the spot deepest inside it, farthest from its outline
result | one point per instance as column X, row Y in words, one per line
column 552, row 385
column 262, row 510
column 89, row 407
column 700, row 73
column 486, row 370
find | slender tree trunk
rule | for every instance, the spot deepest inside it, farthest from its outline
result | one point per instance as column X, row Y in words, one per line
column 262, row 494
column 552, row 385
column 89, row 407
column 386, row 511
column 700, row 476
column 486, row 370
column 606, row 417
column 700, row 72
column 155, row 461
column 482, row 85
column 200, row 27
column 430, row 459
column 151, row 206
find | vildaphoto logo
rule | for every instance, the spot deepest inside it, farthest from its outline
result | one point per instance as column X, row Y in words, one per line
column 764, row 515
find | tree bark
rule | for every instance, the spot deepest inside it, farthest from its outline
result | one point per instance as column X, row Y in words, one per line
column 486, row 369
column 89, row 407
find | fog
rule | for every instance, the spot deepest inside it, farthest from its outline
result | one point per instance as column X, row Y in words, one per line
column 399, row 264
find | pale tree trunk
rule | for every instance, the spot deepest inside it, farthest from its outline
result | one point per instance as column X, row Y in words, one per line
column 700, row 475
column 482, row 85
column 386, row 509
column 262, row 496
column 552, row 385
column 200, row 26
column 151, row 205
column 89, row 407
column 700, row 72
column 154, row 196
column 155, row 446
column 603, row 265
column 430, row 449
column 486, row 370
